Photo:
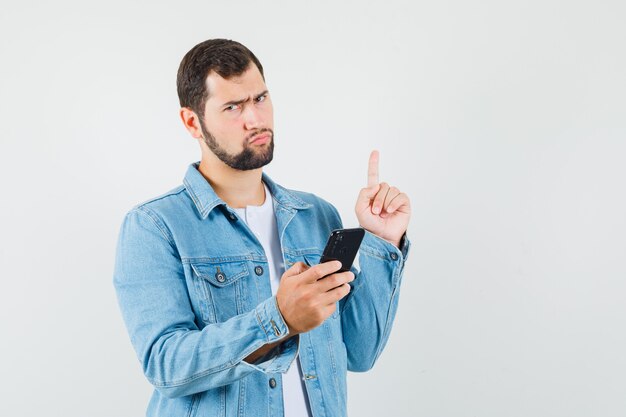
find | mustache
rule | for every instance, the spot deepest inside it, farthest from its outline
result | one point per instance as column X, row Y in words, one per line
column 258, row 132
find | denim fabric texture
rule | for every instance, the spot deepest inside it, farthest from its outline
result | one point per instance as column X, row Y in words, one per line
column 195, row 305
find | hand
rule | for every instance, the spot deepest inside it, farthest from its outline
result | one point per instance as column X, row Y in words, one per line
column 305, row 300
column 382, row 209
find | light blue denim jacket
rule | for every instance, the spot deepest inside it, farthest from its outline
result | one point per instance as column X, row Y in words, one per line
column 193, row 286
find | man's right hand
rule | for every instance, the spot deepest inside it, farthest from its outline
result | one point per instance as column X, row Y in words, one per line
column 305, row 300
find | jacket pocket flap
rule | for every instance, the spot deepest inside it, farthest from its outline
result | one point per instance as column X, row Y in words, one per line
column 312, row 258
column 220, row 274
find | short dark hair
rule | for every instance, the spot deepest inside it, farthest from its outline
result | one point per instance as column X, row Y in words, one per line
column 226, row 57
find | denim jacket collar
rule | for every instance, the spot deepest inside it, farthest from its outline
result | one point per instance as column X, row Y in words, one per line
column 205, row 198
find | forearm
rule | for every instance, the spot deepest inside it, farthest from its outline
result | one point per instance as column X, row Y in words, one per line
column 177, row 357
column 185, row 361
column 367, row 314
column 260, row 352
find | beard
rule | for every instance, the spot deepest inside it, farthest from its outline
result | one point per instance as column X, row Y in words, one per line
column 249, row 158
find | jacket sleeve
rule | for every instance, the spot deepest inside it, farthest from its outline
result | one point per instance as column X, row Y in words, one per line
column 368, row 311
column 177, row 357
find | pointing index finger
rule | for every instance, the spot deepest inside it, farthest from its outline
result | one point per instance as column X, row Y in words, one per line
column 372, row 170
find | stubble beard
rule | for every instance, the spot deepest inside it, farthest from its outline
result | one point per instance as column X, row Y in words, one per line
column 249, row 158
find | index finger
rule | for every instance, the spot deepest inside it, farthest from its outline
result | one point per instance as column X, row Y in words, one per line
column 372, row 170
column 320, row 271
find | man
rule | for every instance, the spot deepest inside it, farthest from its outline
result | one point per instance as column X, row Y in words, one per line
column 213, row 277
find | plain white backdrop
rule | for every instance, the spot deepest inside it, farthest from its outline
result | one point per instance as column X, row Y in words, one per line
column 505, row 122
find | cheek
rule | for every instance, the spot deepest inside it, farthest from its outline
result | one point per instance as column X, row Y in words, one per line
column 231, row 134
column 227, row 126
column 268, row 116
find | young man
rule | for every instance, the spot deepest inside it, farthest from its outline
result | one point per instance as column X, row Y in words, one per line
column 213, row 277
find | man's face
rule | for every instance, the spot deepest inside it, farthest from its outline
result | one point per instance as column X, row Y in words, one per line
column 238, row 120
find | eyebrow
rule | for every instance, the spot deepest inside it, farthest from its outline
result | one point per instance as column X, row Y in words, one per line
column 230, row 103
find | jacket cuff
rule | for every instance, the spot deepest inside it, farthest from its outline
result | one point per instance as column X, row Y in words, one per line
column 380, row 248
column 270, row 320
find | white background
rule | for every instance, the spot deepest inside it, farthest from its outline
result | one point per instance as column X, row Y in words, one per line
column 503, row 121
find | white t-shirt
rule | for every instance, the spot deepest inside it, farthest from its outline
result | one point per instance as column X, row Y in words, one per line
column 262, row 221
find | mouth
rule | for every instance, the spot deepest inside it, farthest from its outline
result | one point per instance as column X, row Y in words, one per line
column 260, row 139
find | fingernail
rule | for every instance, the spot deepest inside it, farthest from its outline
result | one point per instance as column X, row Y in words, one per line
column 376, row 210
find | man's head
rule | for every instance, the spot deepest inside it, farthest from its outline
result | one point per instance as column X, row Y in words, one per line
column 225, row 102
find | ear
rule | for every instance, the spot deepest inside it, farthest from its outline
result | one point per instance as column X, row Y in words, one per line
column 191, row 122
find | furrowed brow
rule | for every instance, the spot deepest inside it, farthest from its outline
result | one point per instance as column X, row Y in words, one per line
column 233, row 102
column 237, row 102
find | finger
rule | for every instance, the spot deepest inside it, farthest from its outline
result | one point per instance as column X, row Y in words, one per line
column 330, row 309
column 296, row 269
column 334, row 281
column 316, row 272
column 377, row 204
column 400, row 203
column 366, row 195
column 372, row 169
column 336, row 294
column 393, row 193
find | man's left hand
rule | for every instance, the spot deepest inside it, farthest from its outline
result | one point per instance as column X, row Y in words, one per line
column 382, row 209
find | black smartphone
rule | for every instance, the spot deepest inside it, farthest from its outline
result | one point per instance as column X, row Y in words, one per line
column 342, row 246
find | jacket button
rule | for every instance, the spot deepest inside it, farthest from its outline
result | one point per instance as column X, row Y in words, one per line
column 232, row 216
column 394, row 256
column 272, row 383
column 220, row 277
column 258, row 270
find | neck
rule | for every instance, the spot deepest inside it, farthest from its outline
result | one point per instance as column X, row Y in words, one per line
column 237, row 188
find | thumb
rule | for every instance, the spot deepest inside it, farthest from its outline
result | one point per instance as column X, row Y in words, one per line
column 296, row 269
column 367, row 194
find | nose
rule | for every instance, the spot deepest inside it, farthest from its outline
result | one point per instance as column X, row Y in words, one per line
column 252, row 118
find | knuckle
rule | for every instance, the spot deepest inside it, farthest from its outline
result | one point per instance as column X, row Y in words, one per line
column 335, row 280
column 338, row 292
column 295, row 269
column 319, row 273
column 345, row 291
column 319, row 315
column 306, row 297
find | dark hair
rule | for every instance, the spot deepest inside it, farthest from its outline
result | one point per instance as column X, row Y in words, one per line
column 224, row 56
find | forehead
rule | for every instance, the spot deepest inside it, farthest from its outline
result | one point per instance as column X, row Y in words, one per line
column 239, row 87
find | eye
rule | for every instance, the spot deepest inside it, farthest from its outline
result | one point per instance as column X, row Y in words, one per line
column 232, row 107
column 261, row 98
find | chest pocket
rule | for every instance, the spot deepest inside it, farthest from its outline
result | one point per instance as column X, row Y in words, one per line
column 221, row 288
